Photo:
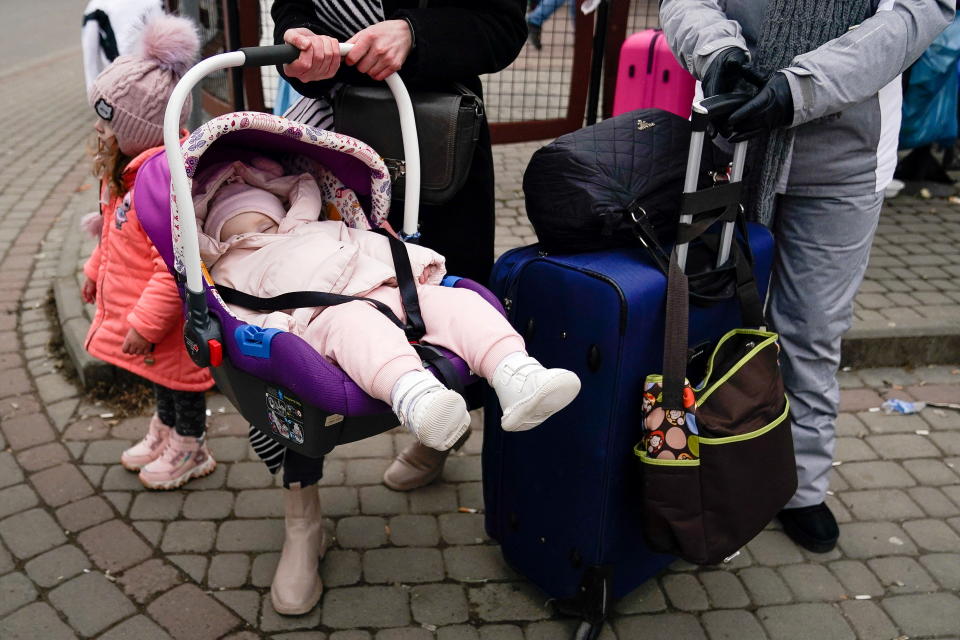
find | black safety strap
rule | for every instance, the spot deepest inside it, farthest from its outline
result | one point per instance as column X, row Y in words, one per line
column 299, row 300
column 432, row 356
column 414, row 328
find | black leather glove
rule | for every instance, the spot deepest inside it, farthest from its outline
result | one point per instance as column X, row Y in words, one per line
column 770, row 109
column 725, row 72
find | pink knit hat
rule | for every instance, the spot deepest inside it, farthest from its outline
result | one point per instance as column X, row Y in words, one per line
column 131, row 93
column 239, row 197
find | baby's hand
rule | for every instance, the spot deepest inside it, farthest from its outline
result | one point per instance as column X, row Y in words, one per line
column 135, row 344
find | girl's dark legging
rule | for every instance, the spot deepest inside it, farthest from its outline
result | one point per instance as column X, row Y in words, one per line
column 185, row 410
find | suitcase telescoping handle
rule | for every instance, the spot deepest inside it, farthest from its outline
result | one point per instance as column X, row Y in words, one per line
column 725, row 197
column 257, row 57
column 704, row 112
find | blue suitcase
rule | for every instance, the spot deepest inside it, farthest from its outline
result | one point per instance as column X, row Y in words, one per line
column 563, row 499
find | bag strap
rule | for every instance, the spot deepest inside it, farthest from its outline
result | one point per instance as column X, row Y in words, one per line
column 675, row 336
column 676, row 331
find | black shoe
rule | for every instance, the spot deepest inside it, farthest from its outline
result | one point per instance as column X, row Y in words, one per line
column 813, row 528
column 533, row 32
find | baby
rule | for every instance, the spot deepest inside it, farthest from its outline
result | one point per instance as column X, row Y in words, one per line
column 266, row 250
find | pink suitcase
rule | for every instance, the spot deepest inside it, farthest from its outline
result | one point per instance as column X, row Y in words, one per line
column 649, row 77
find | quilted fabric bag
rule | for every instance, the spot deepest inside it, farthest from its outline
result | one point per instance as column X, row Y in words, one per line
column 616, row 183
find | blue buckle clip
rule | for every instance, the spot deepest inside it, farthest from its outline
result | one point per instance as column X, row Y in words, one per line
column 254, row 341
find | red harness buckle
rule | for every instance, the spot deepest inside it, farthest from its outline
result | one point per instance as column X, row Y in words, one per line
column 216, row 352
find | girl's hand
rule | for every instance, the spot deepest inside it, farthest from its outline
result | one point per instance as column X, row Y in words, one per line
column 381, row 49
column 135, row 344
column 319, row 55
column 89, row 291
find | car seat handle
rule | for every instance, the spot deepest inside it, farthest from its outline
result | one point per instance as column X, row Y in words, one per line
column 278, row 54
column 186, row 237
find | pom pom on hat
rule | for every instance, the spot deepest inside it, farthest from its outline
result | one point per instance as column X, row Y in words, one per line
column 170, row 42
column 131, row 93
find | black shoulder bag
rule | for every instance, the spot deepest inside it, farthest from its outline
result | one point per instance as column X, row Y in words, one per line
column 448, row 127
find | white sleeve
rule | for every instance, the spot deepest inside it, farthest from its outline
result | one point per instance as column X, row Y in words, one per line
column 93, row 59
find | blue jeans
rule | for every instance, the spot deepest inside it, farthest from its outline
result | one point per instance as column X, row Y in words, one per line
column 547, row 8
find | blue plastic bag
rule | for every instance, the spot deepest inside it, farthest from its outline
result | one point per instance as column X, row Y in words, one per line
column 930, row 101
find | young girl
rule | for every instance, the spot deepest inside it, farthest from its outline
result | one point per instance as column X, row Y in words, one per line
column 139, row 319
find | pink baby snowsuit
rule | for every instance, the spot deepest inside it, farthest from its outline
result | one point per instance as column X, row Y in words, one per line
column 311, row 255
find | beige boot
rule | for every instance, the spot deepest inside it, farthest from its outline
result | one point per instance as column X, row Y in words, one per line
column 418, row 465
column 296, row 585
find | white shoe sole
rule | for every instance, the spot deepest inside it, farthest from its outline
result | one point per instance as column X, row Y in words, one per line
column 553, row 396
column 451, row 405
column 201, row 470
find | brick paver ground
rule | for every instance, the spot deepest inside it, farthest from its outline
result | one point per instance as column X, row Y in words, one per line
column 85, row 551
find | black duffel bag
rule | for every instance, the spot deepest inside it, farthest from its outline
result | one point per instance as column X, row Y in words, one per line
column 613, row 184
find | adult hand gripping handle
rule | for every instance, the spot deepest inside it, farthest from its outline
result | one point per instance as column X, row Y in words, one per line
column 277, row 54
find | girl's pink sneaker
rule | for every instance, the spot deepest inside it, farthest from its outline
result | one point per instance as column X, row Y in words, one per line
column 148, row 449
column 183, row 459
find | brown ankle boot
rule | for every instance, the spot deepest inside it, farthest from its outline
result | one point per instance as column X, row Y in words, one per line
column 417, row 466
column 296, row 587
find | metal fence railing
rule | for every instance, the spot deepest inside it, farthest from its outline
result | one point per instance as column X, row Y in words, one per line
column 542, row 94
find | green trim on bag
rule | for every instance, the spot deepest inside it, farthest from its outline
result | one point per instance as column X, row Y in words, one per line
column 770, row 338
column 646, row 459
column 752, row 434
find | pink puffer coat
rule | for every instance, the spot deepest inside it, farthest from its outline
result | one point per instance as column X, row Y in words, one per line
column 135, row 289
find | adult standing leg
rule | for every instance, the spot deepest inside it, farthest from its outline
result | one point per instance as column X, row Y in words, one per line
column 296, row 586
column 540, row 14
column 822, row 249
column 462, row 231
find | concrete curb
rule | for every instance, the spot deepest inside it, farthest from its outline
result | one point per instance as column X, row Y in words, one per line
column 902, row 347
column 71, row 310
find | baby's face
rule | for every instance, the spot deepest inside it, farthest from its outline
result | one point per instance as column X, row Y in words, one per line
column 247, row 222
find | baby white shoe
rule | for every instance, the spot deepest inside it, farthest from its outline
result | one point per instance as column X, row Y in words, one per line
column 530, row 393
column 436, row 415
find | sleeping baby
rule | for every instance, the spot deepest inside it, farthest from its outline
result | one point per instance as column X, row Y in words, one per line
column 265, row 249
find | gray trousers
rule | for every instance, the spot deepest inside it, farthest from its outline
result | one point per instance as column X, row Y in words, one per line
column 822, row 248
